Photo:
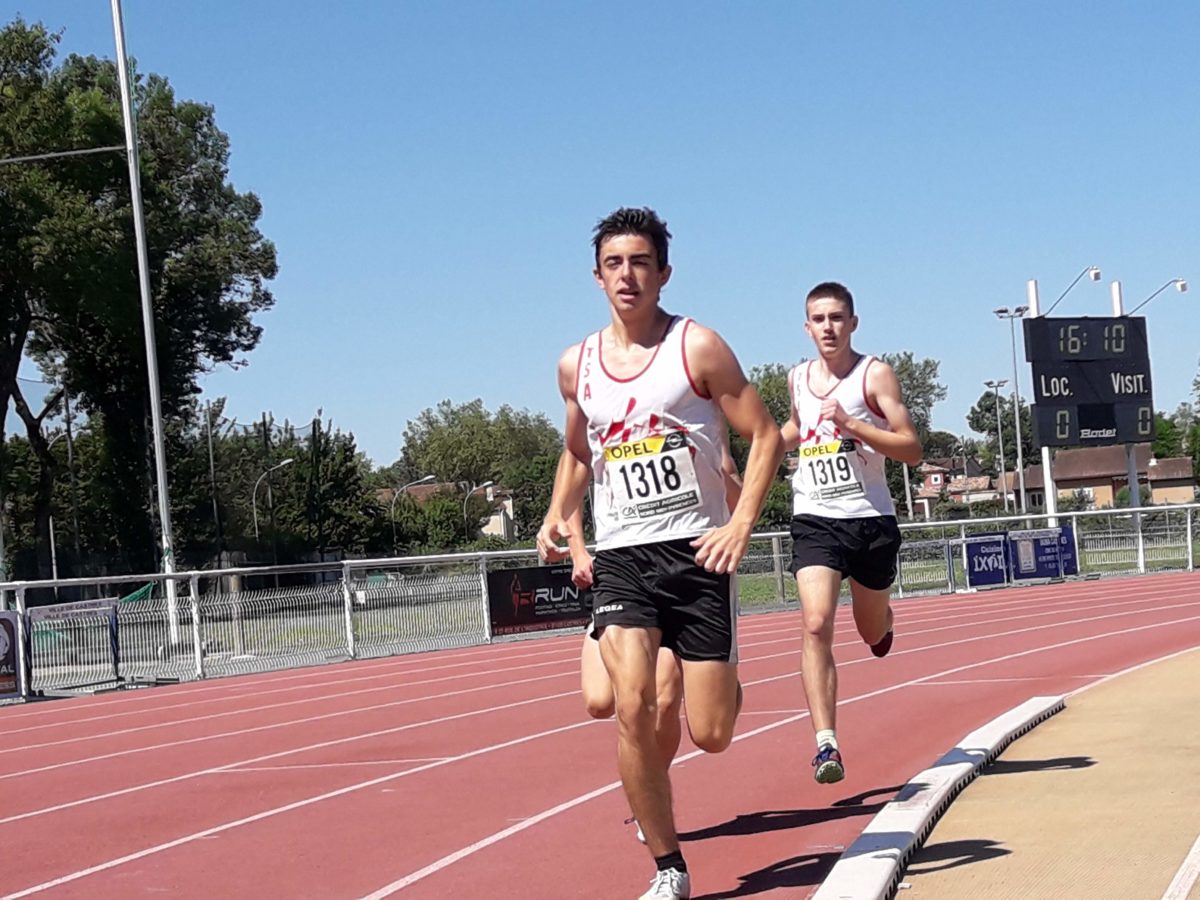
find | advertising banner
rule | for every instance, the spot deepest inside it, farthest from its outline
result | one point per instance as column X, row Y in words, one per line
column 536, row 598
column 1042, row 553
column 986, row 564
column 10, row 673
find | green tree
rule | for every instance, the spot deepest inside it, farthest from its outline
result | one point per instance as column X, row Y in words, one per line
column 466, row 443
column 1168, row 437
column 69, row 282
column 940, row 444
column 919, row 386
column 770, row 381
column 921, row 390
column 532, row 482
column 982, row 420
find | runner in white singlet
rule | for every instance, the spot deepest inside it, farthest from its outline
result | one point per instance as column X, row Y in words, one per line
column 648, row 402
column 847, row 415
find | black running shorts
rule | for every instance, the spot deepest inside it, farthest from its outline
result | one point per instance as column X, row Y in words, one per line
column 863, row 549
column 660, row 586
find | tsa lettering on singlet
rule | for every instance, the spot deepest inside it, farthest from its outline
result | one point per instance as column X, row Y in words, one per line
column 831, row 470
column 651, row 476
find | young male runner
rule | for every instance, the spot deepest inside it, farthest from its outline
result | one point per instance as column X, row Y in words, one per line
column 597, row 687
column 647, row 401
column 847, row 415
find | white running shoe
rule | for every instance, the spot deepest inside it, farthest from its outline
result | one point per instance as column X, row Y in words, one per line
column 670, row 884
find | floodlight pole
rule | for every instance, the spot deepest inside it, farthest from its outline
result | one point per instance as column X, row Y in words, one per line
column 1131, row 473
column 139, row 231
column 1049, row 488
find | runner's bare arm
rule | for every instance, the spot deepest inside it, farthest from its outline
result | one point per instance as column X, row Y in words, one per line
column 790, row 430
column 581, row 559
column 719, row 375
column 733, row 479
column 899, row 441
column 573, row 473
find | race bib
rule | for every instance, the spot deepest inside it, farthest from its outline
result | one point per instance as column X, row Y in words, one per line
column 651, row 477
column 830, row 471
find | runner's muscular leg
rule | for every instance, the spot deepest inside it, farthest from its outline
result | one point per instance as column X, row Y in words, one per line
column 598, row 694
column 630, row 656
column 819, row 587
column 714, row 699
column 668, row 682
column 872, row 611
column 594, row 681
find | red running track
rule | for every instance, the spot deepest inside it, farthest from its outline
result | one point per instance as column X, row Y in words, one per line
column 474, row 773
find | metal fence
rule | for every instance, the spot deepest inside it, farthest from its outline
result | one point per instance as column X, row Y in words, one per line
column 154, row 628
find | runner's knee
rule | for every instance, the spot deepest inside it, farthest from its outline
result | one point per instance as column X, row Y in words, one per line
column 712, row 736
column 670, row 696
column 637, row 711
column 818, row 624
column 599, row 707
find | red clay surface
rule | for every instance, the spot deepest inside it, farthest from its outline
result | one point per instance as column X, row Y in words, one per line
column 475, row 773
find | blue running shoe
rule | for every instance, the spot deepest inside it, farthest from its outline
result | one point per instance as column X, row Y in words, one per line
column 828, row 763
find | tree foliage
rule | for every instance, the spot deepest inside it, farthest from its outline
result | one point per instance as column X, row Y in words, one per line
column 68, row 270
column 920, row 390
column 982, row 420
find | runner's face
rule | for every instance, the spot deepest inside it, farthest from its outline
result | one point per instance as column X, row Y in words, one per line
column 830, row 325
column 629, row 273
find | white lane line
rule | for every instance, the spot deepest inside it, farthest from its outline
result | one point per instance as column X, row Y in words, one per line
column 305, row 720
column 337, row 765
column 290, row 722
column 486, row 710
column 256, row 759
column 1187, row 876
column 977, row 609
column 464, row 852
column 303, row 701
column 907, row 611
column 1003, row 680
column 299, row 804
column 527, row 823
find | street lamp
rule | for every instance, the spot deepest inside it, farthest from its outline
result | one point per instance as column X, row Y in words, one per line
column 1005, row 313
column 962, row 446
column 473, row 490
column 254, row 493
column 1179, row 283
column 1091, row 272
column 396, row 494
column 143, row 270
column 995, row 387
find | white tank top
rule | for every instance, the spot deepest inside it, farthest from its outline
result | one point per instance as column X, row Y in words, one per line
column 656, row 446
column 837, row 477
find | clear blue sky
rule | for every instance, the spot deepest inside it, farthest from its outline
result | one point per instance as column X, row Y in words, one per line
column 430, row 173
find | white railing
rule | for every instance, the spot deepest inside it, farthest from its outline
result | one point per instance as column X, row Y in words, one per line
column 234, row 621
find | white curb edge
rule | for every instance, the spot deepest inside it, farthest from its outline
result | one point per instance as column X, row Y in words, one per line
column 871, row 867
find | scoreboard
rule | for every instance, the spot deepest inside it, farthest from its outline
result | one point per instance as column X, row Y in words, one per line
column 1091, row 381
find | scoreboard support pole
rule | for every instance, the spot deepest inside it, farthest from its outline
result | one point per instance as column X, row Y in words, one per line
column 1048, row 487
column 1131, row 476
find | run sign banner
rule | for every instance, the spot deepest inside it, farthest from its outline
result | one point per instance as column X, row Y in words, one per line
column 1042, row 553
column 986, row 562
column 10, row 673
column 536, row 598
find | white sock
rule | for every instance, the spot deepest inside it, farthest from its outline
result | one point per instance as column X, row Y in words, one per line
column 826, row 737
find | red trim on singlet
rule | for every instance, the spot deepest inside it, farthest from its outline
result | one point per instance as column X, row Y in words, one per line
column 579, row 366
column 867, row 397
column 687, row 370
column 795, row 410
column 808, row 377
column 653, row 356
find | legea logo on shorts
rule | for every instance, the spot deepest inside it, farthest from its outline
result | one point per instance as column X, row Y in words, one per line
column 610, row 607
